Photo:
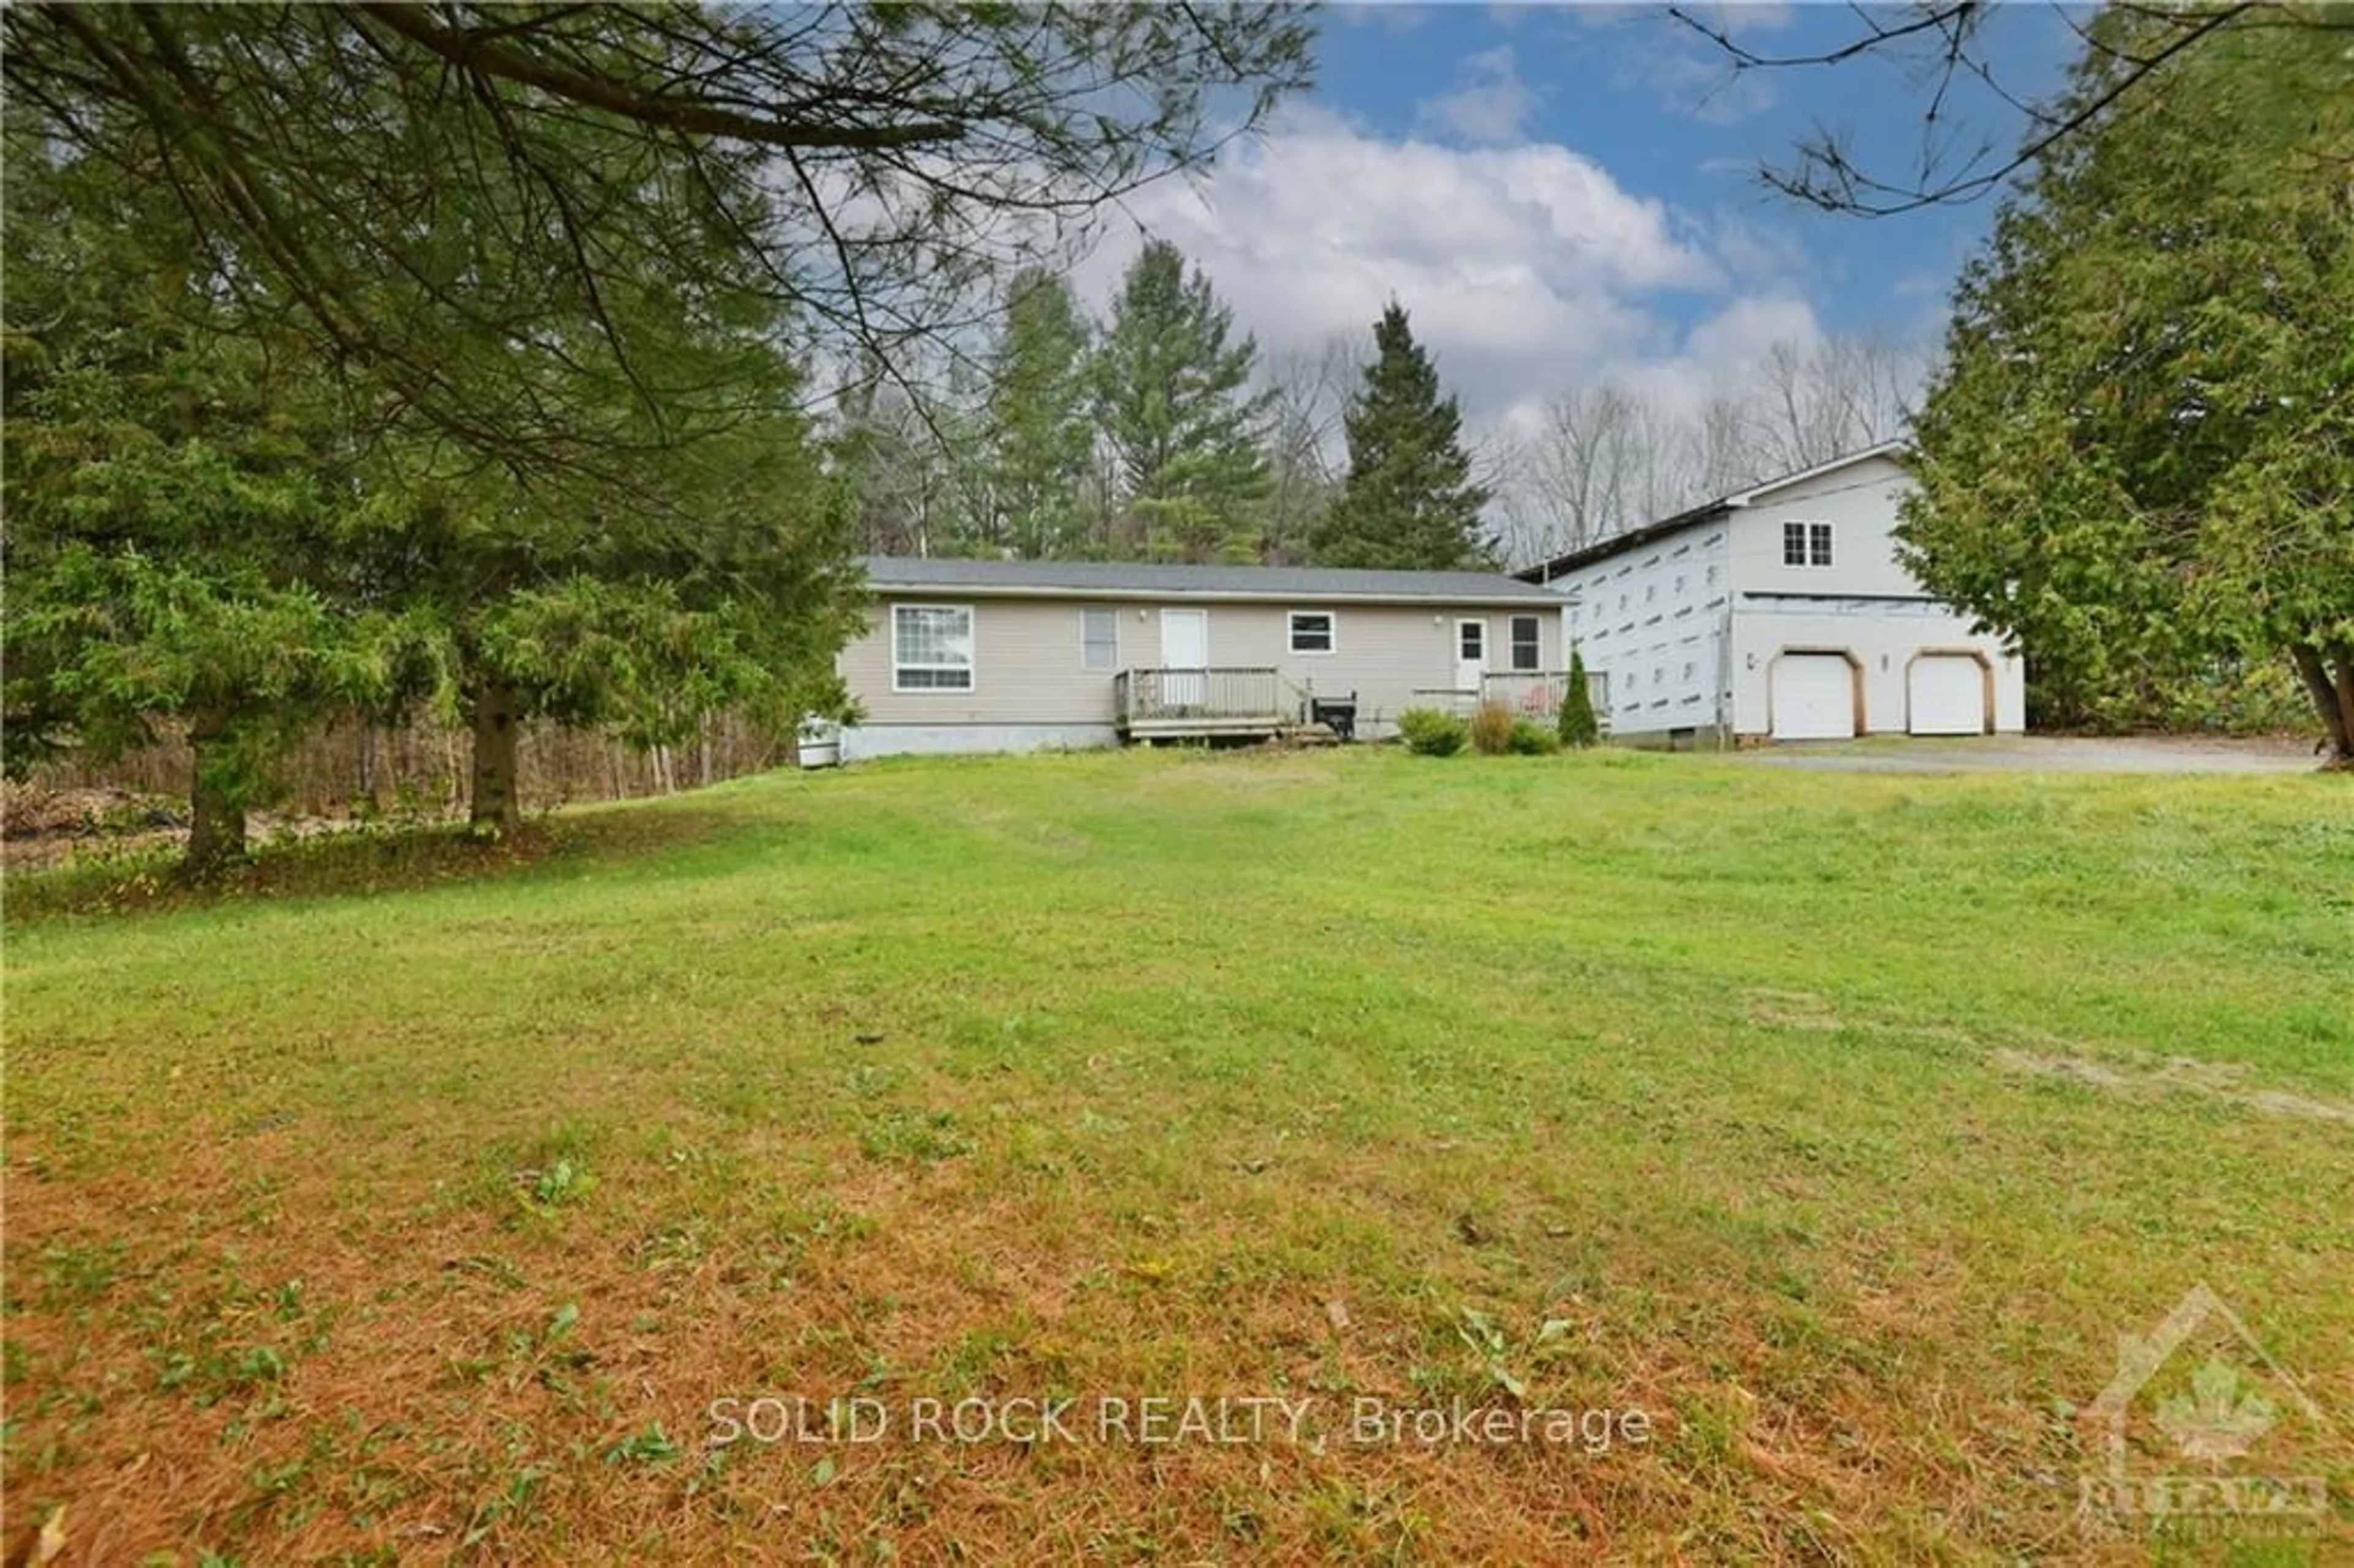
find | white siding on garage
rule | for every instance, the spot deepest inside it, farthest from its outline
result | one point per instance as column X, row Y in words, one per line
column 1865, row 601
column 1689, row 626
column 1884, row 638
column 1859, row 503
column 1652, row 620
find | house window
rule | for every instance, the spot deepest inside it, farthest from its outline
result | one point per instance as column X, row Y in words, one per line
column 1313, row 632
column 1099, row 639
column 1806, row 543
column 1528, row 642
column 931, row 648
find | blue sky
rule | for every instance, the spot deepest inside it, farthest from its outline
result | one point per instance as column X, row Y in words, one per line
column 1568, row 194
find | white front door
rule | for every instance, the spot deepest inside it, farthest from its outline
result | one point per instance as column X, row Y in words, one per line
column 1184, row 646
column 1470, row 655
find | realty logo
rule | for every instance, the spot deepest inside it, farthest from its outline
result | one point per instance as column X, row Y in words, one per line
column 2216, row 1421
column 2227, row 1410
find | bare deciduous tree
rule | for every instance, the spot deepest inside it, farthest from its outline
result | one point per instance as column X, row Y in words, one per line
column 1980, row 127
column 1813, row 402
column 1307, row 393
column 1607, row 456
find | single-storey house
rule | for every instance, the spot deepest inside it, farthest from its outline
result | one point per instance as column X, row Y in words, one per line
column 1017, row 655
column 1780, row 612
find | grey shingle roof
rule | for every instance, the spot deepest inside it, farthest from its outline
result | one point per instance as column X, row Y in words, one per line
column 1119, row 579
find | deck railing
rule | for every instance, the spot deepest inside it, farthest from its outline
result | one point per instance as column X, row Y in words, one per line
column 1211, row 696
column 1537, row 693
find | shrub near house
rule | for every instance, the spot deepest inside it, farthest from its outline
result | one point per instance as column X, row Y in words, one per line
column 1430, row 733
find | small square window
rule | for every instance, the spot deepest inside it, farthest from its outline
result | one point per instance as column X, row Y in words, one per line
column 1806, row 543
column 1528, row 642
column 1313, row 632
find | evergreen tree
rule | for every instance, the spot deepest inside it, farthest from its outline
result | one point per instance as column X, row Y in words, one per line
column 412, row 192
column 1579, row 725
column 1409, row 503
column 179, row 499
column 1172, row 397
column 2140, row 457
column 597, row 610
column 1038, row 438
column 207, row 541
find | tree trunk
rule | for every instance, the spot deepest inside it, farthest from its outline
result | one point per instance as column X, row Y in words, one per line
column 2332, row 699
column 493, row 803
column 216, row 814
column 2343, row 654
column 367, row 765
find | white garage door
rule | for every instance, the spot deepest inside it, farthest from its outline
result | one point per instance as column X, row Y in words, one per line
column 1814, row 697
column 1946, row 695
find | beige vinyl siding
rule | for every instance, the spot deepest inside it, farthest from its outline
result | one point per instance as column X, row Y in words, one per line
column 1029, row 664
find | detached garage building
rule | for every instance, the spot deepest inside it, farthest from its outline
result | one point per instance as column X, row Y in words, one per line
column 1780, row 612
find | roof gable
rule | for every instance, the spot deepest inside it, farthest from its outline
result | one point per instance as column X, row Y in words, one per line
column 1707, row 511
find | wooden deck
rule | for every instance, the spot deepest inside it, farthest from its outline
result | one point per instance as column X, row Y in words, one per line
column 1204, row 704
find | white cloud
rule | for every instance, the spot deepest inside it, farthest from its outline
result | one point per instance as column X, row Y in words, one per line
column 1525, row 268
column 1686, row 70
column 1489, row 103
column 1745, row 329
column 1758, row 256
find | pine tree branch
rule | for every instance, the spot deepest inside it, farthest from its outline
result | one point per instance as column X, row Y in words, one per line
column 470, row 49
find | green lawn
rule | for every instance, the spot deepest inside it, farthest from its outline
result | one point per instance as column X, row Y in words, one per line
column 1837, row 1124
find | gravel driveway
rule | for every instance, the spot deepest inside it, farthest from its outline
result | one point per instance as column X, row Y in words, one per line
column 2042, row 754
